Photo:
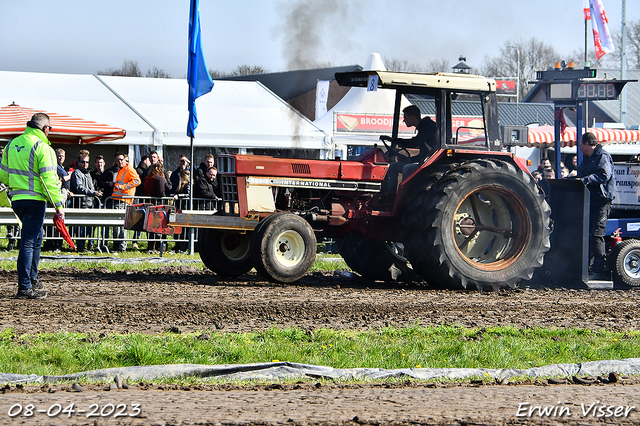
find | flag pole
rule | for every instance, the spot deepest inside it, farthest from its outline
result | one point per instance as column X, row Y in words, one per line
column 200, row 83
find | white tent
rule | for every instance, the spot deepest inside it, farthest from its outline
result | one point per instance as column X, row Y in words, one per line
column 235, row 114
column 361, row 103
column 76, row 95
column 154, row 112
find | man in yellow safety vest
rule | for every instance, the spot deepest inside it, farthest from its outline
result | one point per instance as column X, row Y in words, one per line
column 29, row 163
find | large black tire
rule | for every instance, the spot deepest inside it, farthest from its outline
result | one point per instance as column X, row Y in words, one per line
column 375, row 260
column 225, row 253
column 484, row 224
column 625, row 264
column 283, row 247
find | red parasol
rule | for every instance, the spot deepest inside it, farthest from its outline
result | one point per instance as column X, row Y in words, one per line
column 65, row 129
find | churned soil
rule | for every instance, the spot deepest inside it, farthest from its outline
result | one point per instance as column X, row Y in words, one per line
column 185, row 299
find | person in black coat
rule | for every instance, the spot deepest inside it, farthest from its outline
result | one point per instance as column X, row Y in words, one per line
column 183, row 164
column 596, row 172
column 207, row 187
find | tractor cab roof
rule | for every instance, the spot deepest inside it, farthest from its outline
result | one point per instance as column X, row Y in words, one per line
column 413, row 82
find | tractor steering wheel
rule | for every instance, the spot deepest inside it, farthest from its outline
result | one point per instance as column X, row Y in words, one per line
column 394, row 150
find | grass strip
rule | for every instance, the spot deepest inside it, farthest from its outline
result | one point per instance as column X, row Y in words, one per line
column 445, row 346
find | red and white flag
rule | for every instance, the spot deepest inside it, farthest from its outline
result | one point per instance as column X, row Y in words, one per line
column 586, row 9
column 601, row 35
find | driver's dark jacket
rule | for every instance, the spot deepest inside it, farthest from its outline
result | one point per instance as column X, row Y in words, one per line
column 596, row 172
column 426, row 139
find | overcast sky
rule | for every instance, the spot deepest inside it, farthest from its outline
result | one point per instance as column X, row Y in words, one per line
column 74, row 36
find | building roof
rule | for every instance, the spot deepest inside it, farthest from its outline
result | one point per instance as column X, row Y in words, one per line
column 541, row 113
column 290, row 84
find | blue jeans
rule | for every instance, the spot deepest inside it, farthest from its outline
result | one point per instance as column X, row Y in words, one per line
column 31, row 214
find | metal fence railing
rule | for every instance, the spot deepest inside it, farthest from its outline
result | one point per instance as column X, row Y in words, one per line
column 99, row 225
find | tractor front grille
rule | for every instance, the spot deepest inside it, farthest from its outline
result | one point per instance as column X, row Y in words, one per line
column 229, row 188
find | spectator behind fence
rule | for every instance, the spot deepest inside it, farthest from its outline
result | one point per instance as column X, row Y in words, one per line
column 154, row 157
column 154, row 186
column 183, row 164
column 143, row 171
column 82, row 184
column 209, row 161
column 181, row 197
column 547, row 175
column 207, row 187
column 544, row 163
column 102, row 179
column 55, row 244
column 66, row 177
column 12, row 230
column 124, row 188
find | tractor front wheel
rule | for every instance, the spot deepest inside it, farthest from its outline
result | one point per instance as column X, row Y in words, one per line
column 283, row 247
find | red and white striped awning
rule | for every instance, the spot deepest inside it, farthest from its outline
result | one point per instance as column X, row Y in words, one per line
column 544, row 136
column 65, row 129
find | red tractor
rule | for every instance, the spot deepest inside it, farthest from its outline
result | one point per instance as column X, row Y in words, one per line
column 470, row 216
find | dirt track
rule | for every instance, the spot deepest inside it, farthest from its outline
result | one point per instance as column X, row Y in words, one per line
column 184, row 297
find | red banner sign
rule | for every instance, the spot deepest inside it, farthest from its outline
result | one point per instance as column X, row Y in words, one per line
column 505, row 87
column 382, row 123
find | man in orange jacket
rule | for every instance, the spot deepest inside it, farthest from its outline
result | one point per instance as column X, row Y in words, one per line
column 124, row 188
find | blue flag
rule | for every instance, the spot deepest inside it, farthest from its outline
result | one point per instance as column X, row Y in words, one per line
column 198, row 76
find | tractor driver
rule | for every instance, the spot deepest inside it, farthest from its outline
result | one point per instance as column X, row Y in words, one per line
column 427, row 140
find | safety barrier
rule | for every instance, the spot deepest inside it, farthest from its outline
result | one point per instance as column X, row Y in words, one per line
column 99, row 225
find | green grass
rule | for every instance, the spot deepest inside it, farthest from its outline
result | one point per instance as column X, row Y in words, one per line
column 324, row 262
column 443, row 346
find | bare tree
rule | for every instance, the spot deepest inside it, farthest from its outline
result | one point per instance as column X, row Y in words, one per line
column 633, row 43
column 239, row 70
column 249, row 70
column 156, row 72
column 216, row 73
column 534, row 56
column 400, row 65
column 439, row 65
column 128, row 69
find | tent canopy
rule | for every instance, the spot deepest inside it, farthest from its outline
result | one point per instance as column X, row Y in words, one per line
column 65, row 129
column 154, row 111
column 234, row 114
column 74, row 95
column 544, row 136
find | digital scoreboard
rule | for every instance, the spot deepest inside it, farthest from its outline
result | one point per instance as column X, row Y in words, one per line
column 585, row 90
column 578, row 85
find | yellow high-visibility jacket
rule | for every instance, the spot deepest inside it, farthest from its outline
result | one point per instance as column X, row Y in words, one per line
column 26, row 159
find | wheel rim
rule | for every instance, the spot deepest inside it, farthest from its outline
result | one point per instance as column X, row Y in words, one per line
column 491, row 227
column 235, row 246
column 632, row 264
column 289, row 248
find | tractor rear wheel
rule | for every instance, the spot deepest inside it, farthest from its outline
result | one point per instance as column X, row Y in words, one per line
column 225, row 253
column 375, row 260
column 283, row 247
column 625, row 264
column 484, row 224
